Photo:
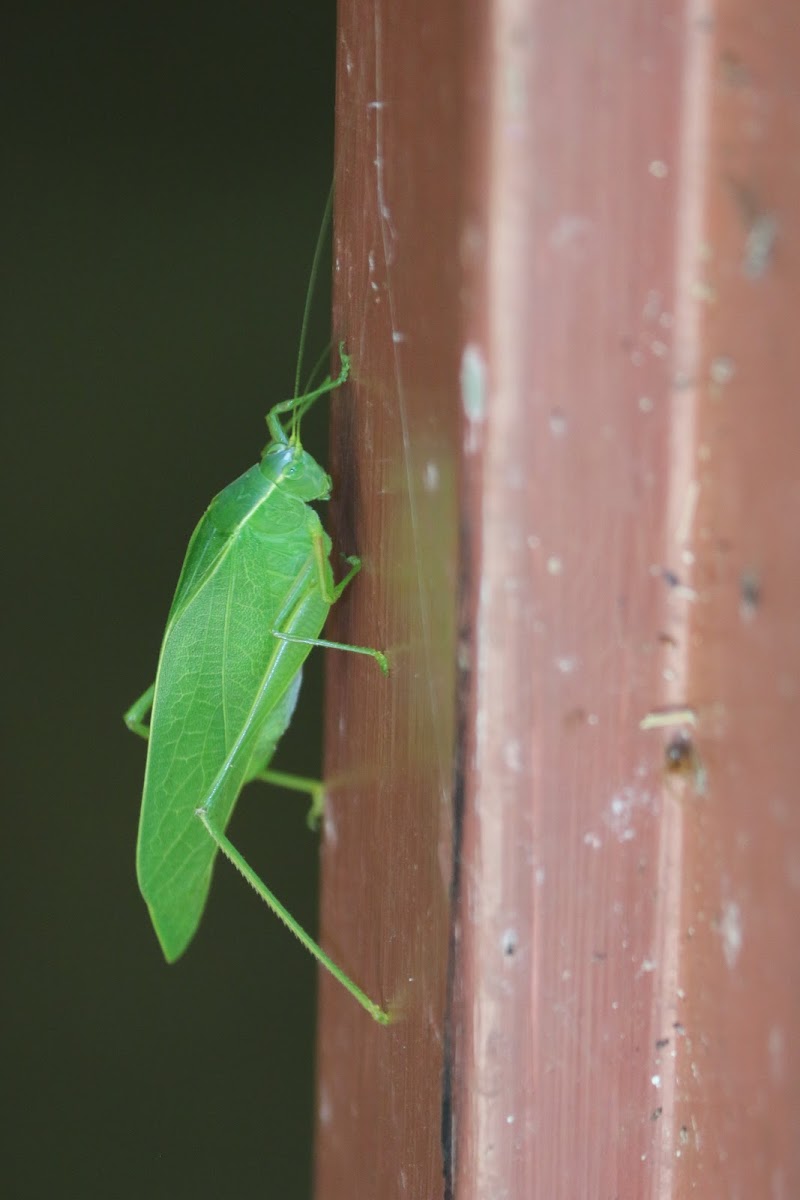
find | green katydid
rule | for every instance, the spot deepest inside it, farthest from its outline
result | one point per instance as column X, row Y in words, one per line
column 252, row 598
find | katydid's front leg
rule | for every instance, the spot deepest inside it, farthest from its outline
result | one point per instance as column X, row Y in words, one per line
column 355, row 567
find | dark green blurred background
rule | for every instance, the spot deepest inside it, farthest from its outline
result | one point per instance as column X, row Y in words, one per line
column 165, row 171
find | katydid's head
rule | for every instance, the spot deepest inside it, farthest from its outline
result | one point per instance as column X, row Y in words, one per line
column 293, row 469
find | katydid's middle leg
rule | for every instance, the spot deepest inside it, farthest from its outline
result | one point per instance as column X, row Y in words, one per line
column 134, row 717
column 296, row 783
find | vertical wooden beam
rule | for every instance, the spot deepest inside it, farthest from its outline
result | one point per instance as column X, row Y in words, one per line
column 567, row 270
column 390, row 742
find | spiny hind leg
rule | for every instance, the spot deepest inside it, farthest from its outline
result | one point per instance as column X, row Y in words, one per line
column 270, row 899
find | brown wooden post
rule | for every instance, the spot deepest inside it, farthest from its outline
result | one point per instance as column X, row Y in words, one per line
column 567, row 269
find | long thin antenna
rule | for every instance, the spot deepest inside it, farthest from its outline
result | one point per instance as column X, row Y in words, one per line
column 326, row 216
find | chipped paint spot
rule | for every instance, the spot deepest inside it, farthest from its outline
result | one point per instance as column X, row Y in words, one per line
column 509, row 943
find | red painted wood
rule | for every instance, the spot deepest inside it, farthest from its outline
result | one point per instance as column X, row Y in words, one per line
column 567, row 269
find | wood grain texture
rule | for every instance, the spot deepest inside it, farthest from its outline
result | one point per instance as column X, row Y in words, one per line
column 567, row 260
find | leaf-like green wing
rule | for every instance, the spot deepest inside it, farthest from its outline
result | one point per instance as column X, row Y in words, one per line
column 225, row 688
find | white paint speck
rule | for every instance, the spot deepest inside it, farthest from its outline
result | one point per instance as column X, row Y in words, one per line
column 622, row 807
column 554, row 565
column 512, row 754
column 730, row 928
column 759, row 245
column 655, row 1080
column 558, row 423
column 646, row 404
column 331, row 829
column 398, row 337
column 431, row 477
column 568, row 229
column 474, row 394
column 567, row 664
column 592, row 841
column 722, row 369
column 658, row 169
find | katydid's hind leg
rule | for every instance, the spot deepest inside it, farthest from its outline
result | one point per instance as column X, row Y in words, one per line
column 298, row 783
column 232, row 854
column 134, row 717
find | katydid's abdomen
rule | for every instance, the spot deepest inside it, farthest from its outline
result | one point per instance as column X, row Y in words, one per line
column 226, row 686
